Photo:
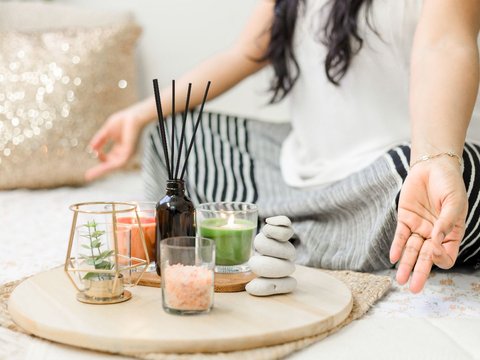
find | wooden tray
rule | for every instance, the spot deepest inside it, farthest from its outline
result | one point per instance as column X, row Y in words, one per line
column 45, row 305
column 223, row 282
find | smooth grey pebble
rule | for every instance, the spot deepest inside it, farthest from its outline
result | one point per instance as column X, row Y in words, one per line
column 280, row 220
column 266, row 287
column 271, row 267
column 272, row 247
column 279, row 233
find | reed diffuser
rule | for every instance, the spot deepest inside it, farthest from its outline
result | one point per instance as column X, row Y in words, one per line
column 175, row 212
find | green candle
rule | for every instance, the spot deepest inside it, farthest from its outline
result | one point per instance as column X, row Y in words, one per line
column 233, row 239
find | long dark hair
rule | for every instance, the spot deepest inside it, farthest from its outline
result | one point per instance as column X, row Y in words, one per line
column 339, row 34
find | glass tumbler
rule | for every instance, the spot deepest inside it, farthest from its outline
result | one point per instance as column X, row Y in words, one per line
column 187, row 267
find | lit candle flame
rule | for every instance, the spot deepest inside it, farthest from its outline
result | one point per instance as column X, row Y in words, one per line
column 231, row 224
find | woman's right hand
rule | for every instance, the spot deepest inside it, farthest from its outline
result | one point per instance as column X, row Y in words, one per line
column 224, row 70
column 121, row 130
column 432, row 213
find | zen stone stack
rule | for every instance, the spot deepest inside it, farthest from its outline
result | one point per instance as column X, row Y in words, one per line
column 275, row 263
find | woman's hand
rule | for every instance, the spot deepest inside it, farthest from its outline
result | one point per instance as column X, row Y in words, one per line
column 431, row 220
column 121, row 131
column 444, row 78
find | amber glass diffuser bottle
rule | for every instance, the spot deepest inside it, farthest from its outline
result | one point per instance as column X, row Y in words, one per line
column 175, row 213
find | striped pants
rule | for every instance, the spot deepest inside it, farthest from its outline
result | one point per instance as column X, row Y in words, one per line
column 348, row 224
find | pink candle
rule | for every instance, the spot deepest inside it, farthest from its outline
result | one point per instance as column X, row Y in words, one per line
column 136, row 247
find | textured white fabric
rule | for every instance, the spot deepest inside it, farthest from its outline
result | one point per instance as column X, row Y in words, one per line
column 340, row 130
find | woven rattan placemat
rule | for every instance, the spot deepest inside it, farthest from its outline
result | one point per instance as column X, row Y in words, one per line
column 366, row 290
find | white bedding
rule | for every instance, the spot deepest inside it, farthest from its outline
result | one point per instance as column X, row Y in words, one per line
column 442, row 323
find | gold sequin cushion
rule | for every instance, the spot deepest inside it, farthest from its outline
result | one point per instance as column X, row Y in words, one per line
column 56, row 89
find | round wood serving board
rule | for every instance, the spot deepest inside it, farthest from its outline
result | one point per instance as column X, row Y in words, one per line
column 45, row 305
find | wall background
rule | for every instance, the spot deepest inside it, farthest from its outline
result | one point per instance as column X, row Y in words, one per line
column 177, row 34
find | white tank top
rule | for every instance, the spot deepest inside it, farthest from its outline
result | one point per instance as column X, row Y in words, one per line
column 338, row 130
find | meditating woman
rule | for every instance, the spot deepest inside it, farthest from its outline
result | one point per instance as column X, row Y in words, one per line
column 374, row 168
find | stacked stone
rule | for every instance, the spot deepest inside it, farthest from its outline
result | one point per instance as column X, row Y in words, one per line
column 274, row 264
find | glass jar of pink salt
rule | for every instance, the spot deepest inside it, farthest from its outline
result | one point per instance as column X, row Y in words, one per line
column 187, row 268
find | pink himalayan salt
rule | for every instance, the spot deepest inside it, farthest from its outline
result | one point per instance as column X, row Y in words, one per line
column 188, row 287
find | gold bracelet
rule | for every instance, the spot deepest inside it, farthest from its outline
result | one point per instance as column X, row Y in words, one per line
column 430, row 157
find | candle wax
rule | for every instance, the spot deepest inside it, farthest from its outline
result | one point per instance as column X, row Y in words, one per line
column 136, row 247
column 233, row 242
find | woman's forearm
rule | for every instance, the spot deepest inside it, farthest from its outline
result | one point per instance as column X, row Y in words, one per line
column 224, row 70
column 444, row 84
column 443, row 92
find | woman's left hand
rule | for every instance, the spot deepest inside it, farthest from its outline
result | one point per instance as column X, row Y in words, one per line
column 432, row 212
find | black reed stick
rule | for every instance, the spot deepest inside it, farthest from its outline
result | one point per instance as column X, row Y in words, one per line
column 161, row 123
column 182, row 134
column 192, row 140
column 172, row 152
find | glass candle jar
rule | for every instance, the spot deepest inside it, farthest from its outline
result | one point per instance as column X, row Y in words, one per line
column 147, row 214
column 233, row 226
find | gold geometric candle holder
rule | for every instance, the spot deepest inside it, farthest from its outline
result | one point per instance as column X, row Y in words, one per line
column 99, row 259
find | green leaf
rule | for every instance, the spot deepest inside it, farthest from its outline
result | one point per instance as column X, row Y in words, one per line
column 90, row 275
column 105, row 265
column 91, row 224
column 85, row 246
column 102, row 263
column 96, row 243
column 90, row 261
column 106, row 254
column 96, row 234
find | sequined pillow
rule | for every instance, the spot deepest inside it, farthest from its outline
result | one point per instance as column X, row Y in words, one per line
column 56, row 89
